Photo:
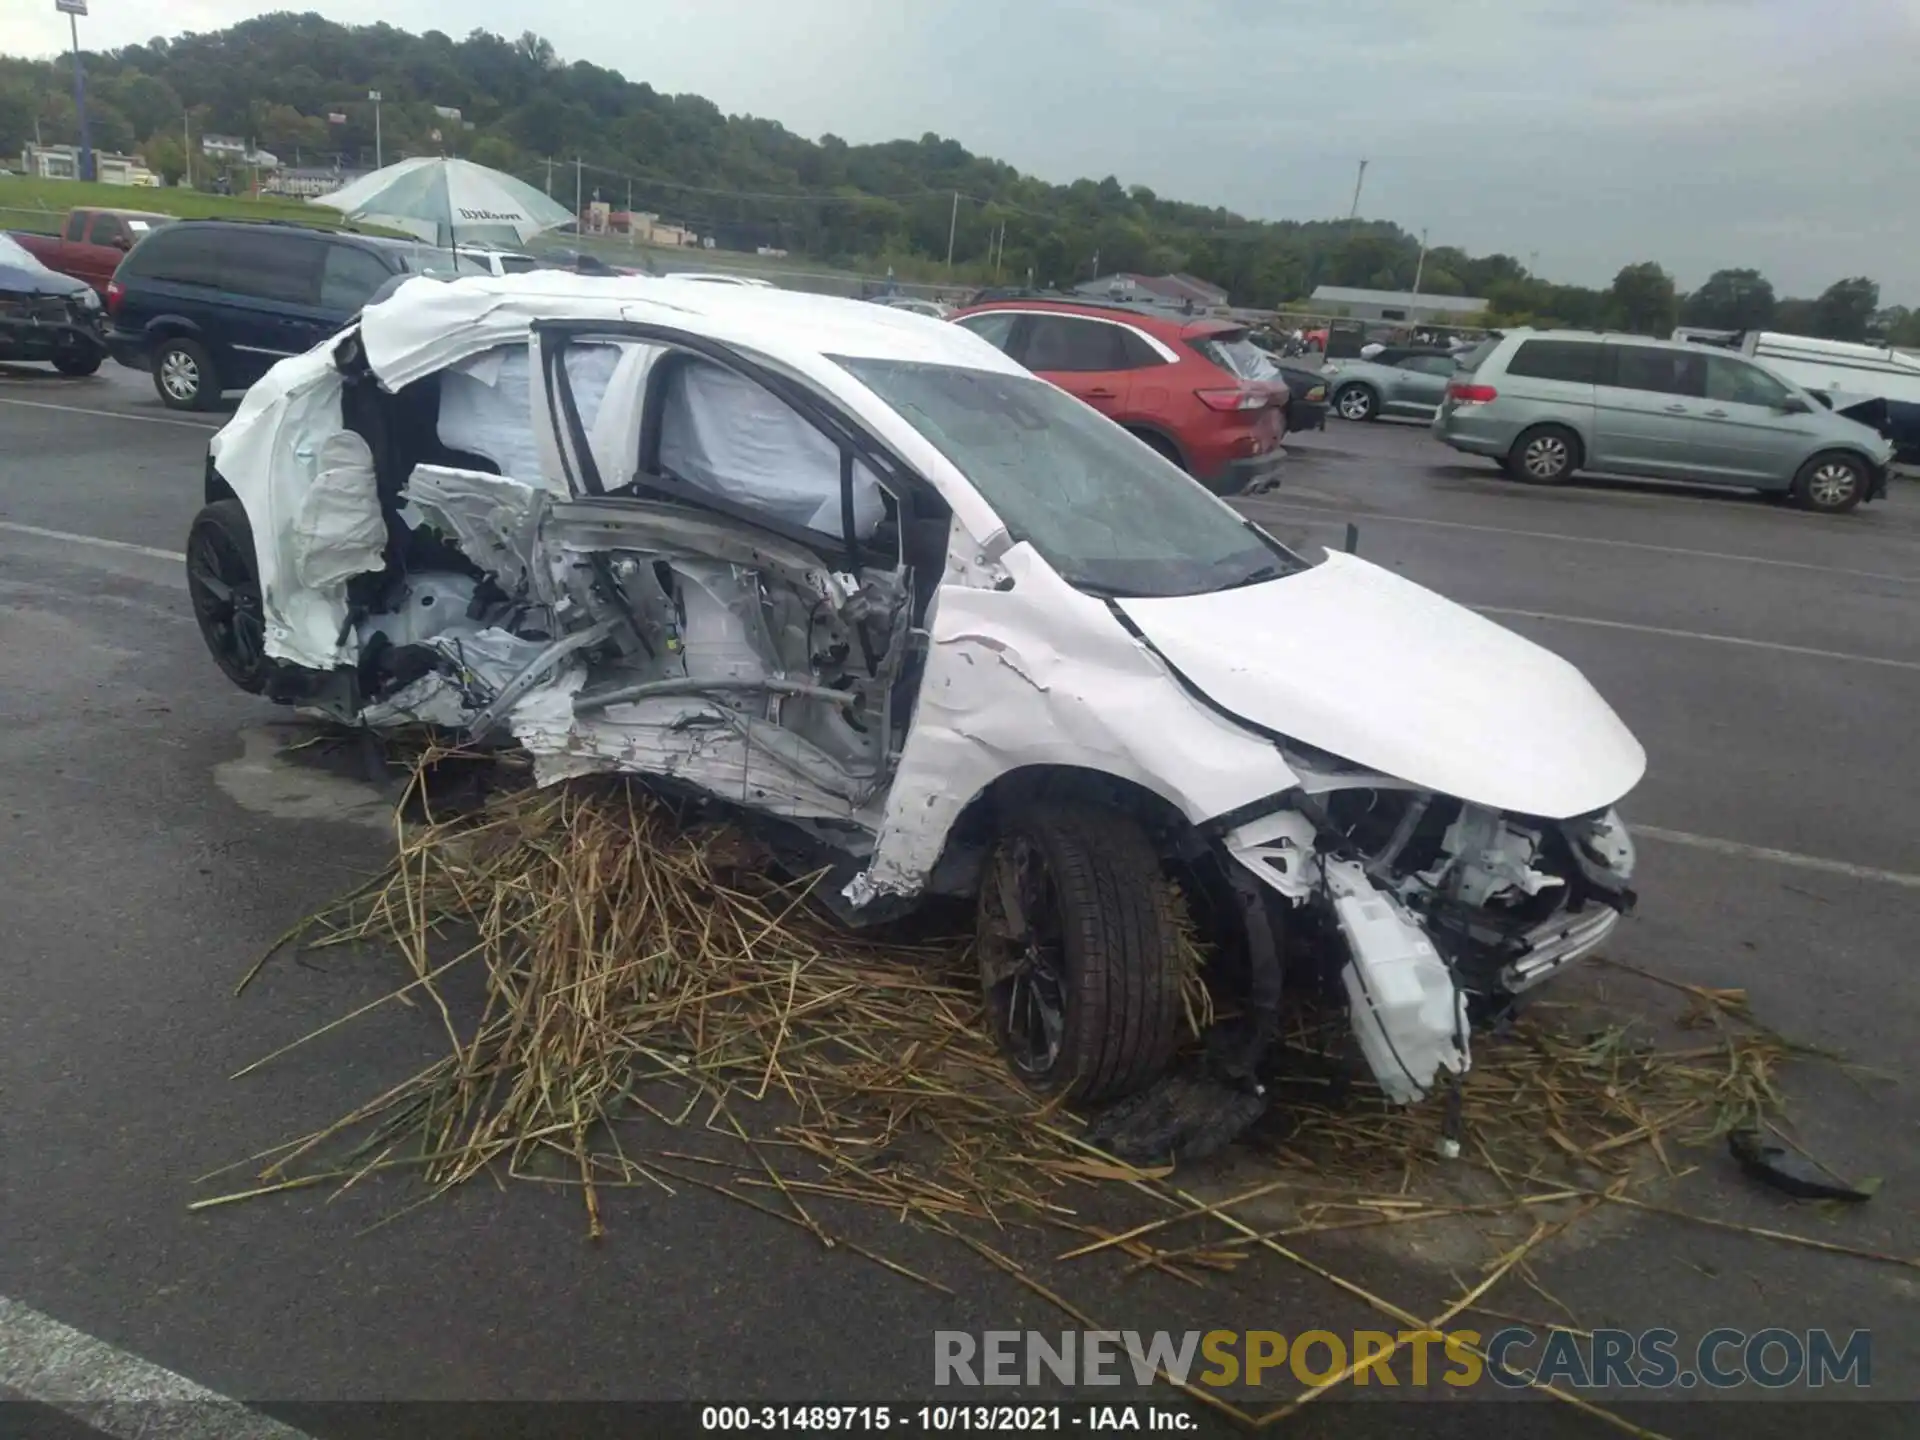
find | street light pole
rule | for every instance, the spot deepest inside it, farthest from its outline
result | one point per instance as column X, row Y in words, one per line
column 74, row 10
column 379, row 152
column 953, row 226
column 1421, row 268
column 1358, row 181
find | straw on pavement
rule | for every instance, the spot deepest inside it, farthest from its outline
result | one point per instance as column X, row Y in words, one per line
column 640, row 964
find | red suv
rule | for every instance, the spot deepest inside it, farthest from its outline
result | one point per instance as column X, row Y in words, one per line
column 1198, row 391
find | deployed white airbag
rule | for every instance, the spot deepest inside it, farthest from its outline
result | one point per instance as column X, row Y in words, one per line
column 338, row 531
column 486, row 403
column 724, row 433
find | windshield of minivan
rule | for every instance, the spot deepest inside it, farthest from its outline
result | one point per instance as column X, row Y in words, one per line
column 1110, row 515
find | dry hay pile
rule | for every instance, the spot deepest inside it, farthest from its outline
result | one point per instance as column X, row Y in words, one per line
column 639, row 970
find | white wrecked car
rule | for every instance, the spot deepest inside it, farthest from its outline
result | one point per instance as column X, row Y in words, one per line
column 853, row 571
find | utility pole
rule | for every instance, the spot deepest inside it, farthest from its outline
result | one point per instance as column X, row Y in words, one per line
column 186, row 138
column 1421, row 268
column 74, row 9
column 549, row 176
column 630, row 240
column 1359, row 180
column 578, row 209
column 953, row 227
column 379, row 149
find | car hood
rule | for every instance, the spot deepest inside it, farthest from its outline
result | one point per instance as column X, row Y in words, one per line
column 20, row 280
column 1352, row 659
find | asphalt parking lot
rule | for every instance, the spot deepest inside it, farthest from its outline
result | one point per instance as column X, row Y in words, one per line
column 1769, row 661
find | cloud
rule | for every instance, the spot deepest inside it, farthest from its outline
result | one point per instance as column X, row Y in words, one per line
column 1698, row 133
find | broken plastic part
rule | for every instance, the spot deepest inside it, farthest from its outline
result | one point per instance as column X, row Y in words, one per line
column 1787, row 1172
column 1408, row 1015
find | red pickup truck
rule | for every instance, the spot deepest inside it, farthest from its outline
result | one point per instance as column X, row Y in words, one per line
column 92, row 243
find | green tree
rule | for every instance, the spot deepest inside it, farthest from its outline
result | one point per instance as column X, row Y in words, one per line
column 1845, row 307
column 1642, row 299
column 1731, row 300
column 165, row 156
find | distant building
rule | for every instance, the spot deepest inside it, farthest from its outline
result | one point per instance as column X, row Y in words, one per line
column 1176, row 290
column 62, row 162
column 307, row 182
column 1394, row 305
column 232, row 150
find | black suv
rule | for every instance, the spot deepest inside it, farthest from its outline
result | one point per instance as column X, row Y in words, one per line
column 210, row 305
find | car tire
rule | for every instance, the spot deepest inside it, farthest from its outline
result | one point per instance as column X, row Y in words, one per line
column 183, row 375
column 1544, row 455
column 1358, row 403
column 1830, row 484
column 1160, row 444
column 1082, row 985
column 77, row 363
column 223, row 583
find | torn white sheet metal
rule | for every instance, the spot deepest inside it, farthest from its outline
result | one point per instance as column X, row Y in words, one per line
column 1356, row 661
column 271, row 453
column 1041, row 674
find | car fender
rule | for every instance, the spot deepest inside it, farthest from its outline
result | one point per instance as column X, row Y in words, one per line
column 168, row 325
column 1159, row 432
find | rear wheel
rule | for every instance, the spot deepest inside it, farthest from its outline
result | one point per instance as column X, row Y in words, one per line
column 1356, row 402
column 223, row 581
column 76, row 360
column 1079, row 953
column 1544, row 455
column 1830, row 484
column 1159, row 443
column 183, row 375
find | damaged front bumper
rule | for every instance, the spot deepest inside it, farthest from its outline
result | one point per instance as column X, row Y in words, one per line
column 1422, row 908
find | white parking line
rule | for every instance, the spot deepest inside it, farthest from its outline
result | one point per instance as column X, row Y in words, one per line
column 116, row 1393
column 13, row 528
column 1778, row 857
column 1682, row 550
column 1741, row 640
column 110, row 414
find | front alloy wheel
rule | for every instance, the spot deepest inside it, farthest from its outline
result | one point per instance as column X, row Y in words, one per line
column 1355, row 403
column 1079, row 952
column 1831, row 484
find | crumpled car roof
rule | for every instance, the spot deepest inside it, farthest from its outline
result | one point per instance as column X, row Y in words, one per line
column 426, row 324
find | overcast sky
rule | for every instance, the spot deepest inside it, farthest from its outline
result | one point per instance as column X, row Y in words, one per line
column 1780, row 134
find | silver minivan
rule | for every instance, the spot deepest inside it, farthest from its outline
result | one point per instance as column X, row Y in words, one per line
column 1546, row 403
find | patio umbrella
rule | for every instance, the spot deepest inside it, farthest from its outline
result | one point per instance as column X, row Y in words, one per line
column 442, row 200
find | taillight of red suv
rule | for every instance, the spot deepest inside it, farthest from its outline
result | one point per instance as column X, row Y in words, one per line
column 1235, row 397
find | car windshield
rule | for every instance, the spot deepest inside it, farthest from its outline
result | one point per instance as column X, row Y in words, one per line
column 16, row 255
column 1110, row 515
column 1234, row 352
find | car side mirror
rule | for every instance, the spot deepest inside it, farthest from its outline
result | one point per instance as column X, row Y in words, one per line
column 121, row 242
column 1794, row 405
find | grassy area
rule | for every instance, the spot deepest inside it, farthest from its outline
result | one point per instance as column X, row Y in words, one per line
column 40, row 205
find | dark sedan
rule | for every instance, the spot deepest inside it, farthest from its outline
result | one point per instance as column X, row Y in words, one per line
column 46, row 316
